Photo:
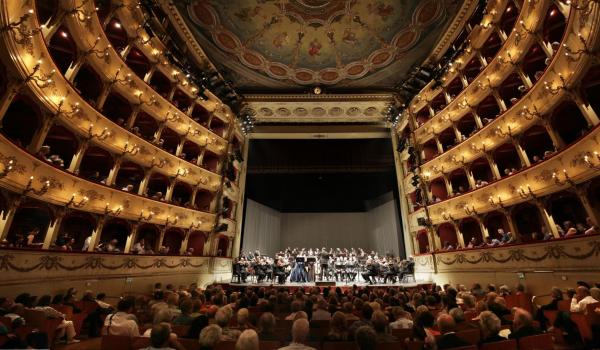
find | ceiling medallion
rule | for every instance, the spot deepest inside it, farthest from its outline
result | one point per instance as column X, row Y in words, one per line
column 317, row 90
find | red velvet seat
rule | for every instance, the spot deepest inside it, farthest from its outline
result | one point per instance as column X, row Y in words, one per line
column 415, row 345
column 268, row 345
column 510, row 344
column 402, row 333
column 536, row 342
column 225, row 345
column 471, row 336
column 115, row 342
column 339, row 345
column 37, row 319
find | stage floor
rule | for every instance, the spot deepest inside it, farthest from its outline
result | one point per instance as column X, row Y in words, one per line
column 337, row 284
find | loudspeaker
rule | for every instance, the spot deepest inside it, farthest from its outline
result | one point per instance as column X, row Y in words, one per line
column 325, row 284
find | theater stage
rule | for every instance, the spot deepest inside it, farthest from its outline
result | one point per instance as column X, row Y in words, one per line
column 343, row 285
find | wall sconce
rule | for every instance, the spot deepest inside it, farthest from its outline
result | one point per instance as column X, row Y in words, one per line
column 478, row 149
column 503, row 134
column 437, row 170
column 464, row 104
column 447, row 217
column 140, row 36
column 101, row 54
column 43, row 80
column 100, row 136
column 527, row 30
column 189, row 131
column 194, row 226
column 77, row 204
column 29, row 188
column 146, row 217
column 585, row 8
column 150, row 102
column 591, row 163
column 133, row 150
column 203, row 180
column 127, row 80
column 173, row 118
column 9, row 165
column 460, row 160
column 470, row 210
column 80, row 13
column 508, row 59
column 530, row 114
column 171, row 222
column 158, row 163
column 113, row 212
column 75, row 109
column 560, row 182
column 182, row 172
column 496, row 203
column 526, row 194
column 486, row 84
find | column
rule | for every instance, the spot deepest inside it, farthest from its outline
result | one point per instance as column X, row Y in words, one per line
column 511, row 224
column 169, row 193
column 97, row 233
column 493, row 166
column 39, row 137
column 557, row 141
column 415, row 244
column 78, row 156
column 586, row 109
column 582, row 193
column 437, row 244
column 459, row 236
column 172, row 92
column 12, row 90
column 150, row 73
column 499, row 101
column 524, row 77
column 547, row 218
column 439, row 145
column 470, row 177
column 180, row 147
column 103, row 95
column 112, row 175
column 184, row 243
column 53, row 229
column 477, row 119
column 484, row 231
column 7, row 217
column 131, row 239
column 125, row 51
column 131, row 120
column 144, row 182
column 521, row 152
column 158, row 133
column 448, row 185
column 160, row 240
column 457, row 132
column 463, row 80
column 74, row 68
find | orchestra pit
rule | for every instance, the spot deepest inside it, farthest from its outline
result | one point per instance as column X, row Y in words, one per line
column 300, row 174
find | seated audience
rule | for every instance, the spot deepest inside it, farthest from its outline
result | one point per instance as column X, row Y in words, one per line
column 161, row 338
column 197, row 325
column 380, row 324
column 338, row 328
column 248, row 340
column 366, row 339
column 210, row 336
column 448, row 339
column 581, row 299
column 266, row 327
column 522, row 325
column 65, row 328
column 490, row 327
column 300, row 330
column 222, row 318
column 322, row 312
column 402, row 319
column 122, row 322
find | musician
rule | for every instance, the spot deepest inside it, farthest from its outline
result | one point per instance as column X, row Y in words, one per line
column 408, row 269
column 299, row 273
column 279, row 271
column 340, row 268
column 239, row 269
column 372, row 270
column 351, row 268
column 391, row 272
column 260, row 269
column 324, row 262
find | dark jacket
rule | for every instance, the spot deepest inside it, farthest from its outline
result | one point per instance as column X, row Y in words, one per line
column 492, row 339
column 524, row 332
column 450, row 340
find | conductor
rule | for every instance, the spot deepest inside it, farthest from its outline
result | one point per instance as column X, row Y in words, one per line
column 324, row 262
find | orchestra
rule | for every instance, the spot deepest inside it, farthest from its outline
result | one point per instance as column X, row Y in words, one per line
column 301, row 265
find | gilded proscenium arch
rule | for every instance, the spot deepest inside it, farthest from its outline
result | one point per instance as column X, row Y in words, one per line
column 517, row 44
column 557, row 74
column 88, row 119
column 478, row 37
column 85, row 36
column 129, row 15
column 63, row 185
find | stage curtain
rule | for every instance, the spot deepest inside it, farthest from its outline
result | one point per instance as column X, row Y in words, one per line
column 262, row 229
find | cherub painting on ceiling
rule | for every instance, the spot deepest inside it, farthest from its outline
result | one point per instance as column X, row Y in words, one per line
column 247, row 14
column 314, row 48
column 280, row 39
column 349, row 37
column 381, row 9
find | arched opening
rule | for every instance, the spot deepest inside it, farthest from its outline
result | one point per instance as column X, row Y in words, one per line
column 145, row 126
column 129, row 177
column 169, row 140
column 182, row 194
column 423, row 242
column 471, row 231
column 210, row 161
column 422, row 116
column 117, row 109
column 447, row 235
column 537, row 144
column 509, row 17
column 96, row 164
column 554, row 25
column 438, row 103
column 448, row 138
column 223, row 246
column 89, row 84
column 76, row 226
column 568, row 121
column 507, row 159
column 45, row 10
column 148, row 234
column 196, row 242
column 157, row 187
column 528, row 221
column 460, row 182
column 22, row 111
column 590, row 88
column 63, row 49
column 512, row 89
column 161, row 84
column 138, row 62
column 481, row 172
column 566, row 207
column 32, row 218
column 218, row 126
column 61, row 146
column 491, row 47
column 172, row 241
column 203, row 200
column 181, row 100
column 114, row 234
column 472, row 69
column 200, row 115
column 495, row 221
column 454, row 88
column 191, row 151
column 430, row 150
column 488, row 109
column 438, row 190
column 117, row 35
column 535, row 63
column 467, row 125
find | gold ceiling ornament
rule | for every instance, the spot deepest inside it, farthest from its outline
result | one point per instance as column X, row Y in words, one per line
column 470, row 210
column 170, row 221
column 196, row 225
column 158, row 163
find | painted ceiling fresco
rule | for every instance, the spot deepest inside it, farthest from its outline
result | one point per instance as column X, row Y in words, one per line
column 287, row 43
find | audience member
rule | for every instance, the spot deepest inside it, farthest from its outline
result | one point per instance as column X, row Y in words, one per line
column 161, row 338
column 522, row 325
column 490, row 327
column 122, row 322
column 210, row 336
column 300, row 330
column 448, row 339
column 581, row 299
column 248, row 340
column 366, row 339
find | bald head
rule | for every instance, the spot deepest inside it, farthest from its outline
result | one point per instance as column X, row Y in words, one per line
column 446, row 323
column 582, row 292
column 522, row 319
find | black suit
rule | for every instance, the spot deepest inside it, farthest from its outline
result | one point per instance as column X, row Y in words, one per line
column 524, row 332
column 449, row 341
column 492, row 339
